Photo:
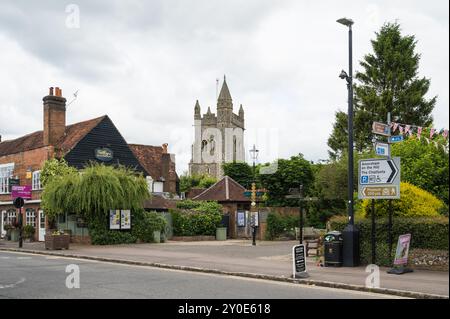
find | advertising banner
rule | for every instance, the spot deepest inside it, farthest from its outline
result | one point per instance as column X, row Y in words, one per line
column 21, row 191
column 401, row 255
column 114, row 219
column 125, row 220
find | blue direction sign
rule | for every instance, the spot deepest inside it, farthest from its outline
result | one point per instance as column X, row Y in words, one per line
column 396, row 139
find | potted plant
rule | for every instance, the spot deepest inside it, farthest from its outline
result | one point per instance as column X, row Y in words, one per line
column 8, row 228
column 28, row 232
column 57, row 240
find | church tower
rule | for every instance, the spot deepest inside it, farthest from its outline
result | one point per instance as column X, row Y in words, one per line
column 218, row 138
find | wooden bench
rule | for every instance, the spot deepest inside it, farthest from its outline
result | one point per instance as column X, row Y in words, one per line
column 311, row 238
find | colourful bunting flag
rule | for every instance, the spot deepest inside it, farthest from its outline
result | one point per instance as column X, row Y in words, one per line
column 432, row 131
column 445, row 134
column 419, row 131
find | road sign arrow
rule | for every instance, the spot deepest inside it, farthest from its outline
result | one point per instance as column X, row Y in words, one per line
column 394, row 171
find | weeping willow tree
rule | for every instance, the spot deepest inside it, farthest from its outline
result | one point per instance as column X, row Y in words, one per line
column 93, row 191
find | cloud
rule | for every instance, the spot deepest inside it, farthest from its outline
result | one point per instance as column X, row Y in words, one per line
column 144, row 63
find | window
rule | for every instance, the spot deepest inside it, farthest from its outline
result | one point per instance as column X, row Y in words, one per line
column 30, row 217
column 149, row 183
column 158, row 187
column 6, row 171
column 36, row 181
column 10, row 217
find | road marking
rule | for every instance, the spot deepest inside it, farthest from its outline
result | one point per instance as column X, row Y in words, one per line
column 21, row 280
column 4, row 257
column 24, row 257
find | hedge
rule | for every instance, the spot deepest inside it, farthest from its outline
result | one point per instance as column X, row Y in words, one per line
column 278, row 225
column 427, row 233
column 142, row 226
column 196, row 218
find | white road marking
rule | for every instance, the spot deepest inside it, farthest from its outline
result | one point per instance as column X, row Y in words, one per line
column 4, row 257
column 24, row 257
column 21, row 280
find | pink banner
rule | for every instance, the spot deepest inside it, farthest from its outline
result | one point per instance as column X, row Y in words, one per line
column 21, row 191
column 401, row 255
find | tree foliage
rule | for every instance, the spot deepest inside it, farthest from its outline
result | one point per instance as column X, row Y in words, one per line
column 94, row 191
column 290, row 173
column 241, row 172
column 195, row 181
column 424, row 165
column 388, row 82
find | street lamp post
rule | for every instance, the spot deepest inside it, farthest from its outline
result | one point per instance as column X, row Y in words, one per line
column 254, row 155
column 350, row 233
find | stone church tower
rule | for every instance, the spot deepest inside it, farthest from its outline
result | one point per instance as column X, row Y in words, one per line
column 218, row 138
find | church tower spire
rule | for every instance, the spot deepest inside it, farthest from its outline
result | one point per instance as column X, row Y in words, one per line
column 197, row 114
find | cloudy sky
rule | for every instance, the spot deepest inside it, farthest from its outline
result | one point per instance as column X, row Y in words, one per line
column 144, row 63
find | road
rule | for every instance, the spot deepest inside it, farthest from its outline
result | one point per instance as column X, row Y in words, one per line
column 39, row 276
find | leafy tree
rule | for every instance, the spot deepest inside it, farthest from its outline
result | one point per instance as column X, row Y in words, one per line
column 388, row 82
column 95, row 191
column 241, row 172
column 55, row 167
column 195, row 181
column 424, row 165
column 290, row 173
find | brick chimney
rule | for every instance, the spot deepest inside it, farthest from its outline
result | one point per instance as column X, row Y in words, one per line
column 54, row 116
column 168, row 170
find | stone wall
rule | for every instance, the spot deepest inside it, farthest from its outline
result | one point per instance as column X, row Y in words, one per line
column 428, row 259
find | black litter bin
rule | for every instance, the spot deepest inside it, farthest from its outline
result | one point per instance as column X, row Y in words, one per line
column 333, row 243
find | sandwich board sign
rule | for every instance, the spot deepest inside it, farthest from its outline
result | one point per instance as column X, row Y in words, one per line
column 401, row 256
column 379, row 178
column 299, row 261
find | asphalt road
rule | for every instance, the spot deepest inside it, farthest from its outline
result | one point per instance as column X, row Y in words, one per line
column 38, row 276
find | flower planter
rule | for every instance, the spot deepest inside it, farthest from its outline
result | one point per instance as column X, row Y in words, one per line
column 54, row 242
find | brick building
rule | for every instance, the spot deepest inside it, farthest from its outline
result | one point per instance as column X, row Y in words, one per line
column 93, row 140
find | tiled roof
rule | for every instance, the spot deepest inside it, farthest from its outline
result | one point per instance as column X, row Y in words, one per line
column 159, row 202
column 225, row 190
column 74, row 133
column 150, row 157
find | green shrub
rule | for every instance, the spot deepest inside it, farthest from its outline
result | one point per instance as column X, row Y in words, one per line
column 147, row 224
column 278, row 225
column 414, row 202
column 426, row 232
column 196, row 218
column 28, row 231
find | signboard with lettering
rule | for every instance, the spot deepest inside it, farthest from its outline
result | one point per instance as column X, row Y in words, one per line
column 379, row 179
column 396, row 139
column 298, row 260
column 104, row 154
column 381, row 129
column 21, row 191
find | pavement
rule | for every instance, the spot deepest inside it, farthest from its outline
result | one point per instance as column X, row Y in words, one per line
column 267, row 260
column 24, row 275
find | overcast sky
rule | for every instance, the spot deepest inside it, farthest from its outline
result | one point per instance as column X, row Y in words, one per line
column 144, row 63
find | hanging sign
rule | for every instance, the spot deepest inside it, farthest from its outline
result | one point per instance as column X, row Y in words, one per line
column 104, row 154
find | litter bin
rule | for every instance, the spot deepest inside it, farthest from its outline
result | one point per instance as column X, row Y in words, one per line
column 221, row 233
column 333, row 244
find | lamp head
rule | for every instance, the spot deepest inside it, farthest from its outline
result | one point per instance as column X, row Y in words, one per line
column 343, row 75
column 345, row 21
